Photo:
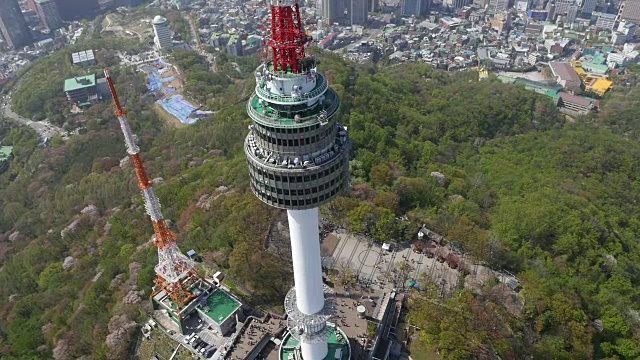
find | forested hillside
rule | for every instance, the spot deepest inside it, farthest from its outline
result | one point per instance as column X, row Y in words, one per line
column 552, row 201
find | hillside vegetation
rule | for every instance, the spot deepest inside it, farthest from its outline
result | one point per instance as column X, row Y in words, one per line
column 551, row 201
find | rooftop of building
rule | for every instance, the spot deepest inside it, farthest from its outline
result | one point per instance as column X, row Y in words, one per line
column 220, row 306
column 608, row 16
column 579, row 100
column 80, row 56
column 159, row 20
column 564, row 71
column 337, row 341
column 601, row 85
column 79, row 82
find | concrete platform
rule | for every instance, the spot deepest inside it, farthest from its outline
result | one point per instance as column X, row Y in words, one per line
column 378, row 269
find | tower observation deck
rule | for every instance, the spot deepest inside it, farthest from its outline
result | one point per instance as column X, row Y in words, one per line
column 298, row 157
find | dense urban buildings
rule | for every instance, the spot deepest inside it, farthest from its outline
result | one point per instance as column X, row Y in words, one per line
column 14, row 28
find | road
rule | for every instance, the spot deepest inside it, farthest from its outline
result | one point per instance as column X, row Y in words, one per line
column 43, row 128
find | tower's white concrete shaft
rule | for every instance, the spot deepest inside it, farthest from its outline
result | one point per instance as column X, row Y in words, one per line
column 305, row 251
column 307, row 273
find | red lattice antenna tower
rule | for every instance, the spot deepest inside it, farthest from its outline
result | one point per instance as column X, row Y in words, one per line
column 175, row 272
column 287, row 36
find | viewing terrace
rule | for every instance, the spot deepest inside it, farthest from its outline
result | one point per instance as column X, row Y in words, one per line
column 269, row 116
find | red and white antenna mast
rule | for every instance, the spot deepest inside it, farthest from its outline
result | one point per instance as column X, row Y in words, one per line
column 287, row 36
column 175, row 272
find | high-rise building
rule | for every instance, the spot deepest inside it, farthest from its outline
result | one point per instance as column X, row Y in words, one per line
column 630, row 11
column 562, row 7
column 606, row 21
column 75, row 9
column 47, row 10
column 572, row 13
column 12, row 24
column 551, row 10
column 162, row 33
column 588, row 6
column 373, row 5
column 333, row 11
column 415, row 7
column 358, row 12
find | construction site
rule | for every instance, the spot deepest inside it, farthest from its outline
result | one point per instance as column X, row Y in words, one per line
column 166, row 81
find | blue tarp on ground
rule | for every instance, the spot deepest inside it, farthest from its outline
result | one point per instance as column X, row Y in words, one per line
column 179, row 108
column 174, row 105
column 155, row 83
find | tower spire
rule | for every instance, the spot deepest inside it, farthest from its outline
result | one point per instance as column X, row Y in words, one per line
column 175, row 272
column 287, row 36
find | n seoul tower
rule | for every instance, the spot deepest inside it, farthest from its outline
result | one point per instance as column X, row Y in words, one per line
column 298, row 156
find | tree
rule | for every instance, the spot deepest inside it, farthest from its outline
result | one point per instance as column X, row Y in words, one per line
column 381, row 175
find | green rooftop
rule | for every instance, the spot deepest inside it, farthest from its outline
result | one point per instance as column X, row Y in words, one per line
column 79, row 82
column 290, row 344
column 221, row 305
column 5, row 152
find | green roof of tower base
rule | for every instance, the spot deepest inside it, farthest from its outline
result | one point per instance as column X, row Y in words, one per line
column 221, row 306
